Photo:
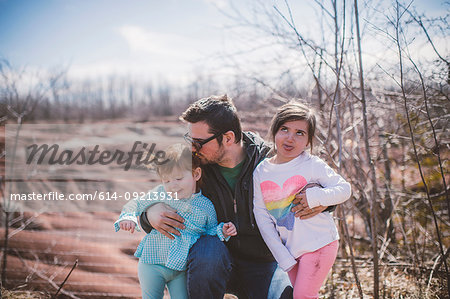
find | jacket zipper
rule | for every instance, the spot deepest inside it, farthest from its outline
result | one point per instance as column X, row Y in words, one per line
column 238, row 241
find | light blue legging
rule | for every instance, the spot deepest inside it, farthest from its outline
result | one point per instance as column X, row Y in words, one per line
column 153, row 278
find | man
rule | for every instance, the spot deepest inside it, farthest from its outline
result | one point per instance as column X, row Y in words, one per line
column 243, row 266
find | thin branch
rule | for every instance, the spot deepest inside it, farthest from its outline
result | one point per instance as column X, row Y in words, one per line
column 62, row 284
column 422, row 26
column 42, row 276
column 374, row 211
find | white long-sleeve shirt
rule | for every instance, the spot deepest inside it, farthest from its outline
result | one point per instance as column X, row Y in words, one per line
column 275, row 186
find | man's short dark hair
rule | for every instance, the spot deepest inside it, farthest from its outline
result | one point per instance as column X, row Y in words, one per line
column 218, row 112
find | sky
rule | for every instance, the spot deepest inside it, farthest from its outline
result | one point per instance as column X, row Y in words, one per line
column 103, row 36
column 148, row 38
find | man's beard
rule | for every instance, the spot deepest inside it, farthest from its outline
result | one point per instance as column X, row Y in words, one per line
column 218, row 157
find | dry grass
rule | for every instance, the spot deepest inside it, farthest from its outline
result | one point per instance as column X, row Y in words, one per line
column 396, row 281
column 23, row 295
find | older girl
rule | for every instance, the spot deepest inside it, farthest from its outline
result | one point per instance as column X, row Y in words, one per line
column 306, row 249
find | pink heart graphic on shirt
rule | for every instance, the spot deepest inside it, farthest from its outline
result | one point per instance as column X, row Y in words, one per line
column 272, row 192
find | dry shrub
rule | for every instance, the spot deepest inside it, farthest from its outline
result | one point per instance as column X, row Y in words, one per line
column 6, row 294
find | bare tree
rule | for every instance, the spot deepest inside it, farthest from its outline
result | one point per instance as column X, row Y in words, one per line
column 17, row 102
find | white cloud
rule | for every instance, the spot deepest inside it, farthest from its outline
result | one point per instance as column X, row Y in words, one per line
column 151, row 54
column 141, row 40
column 222, row 4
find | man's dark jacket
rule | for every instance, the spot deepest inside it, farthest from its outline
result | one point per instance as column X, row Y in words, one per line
column 237, row 206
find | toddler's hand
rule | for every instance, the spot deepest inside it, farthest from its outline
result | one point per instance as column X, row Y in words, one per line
column 229, row 229
column 127, row 225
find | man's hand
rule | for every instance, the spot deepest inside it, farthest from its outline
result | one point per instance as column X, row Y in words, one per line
column 165, row 220
column 301, row 208
column 229, row 229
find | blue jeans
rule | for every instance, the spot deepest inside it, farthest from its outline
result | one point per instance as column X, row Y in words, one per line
column 153, row 279
column 212, row 272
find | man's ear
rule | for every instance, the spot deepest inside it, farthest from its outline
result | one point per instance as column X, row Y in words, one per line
column 197, row 174
column 229, row 137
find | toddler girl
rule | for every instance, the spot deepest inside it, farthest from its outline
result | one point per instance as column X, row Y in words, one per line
column 306, row 249
column 162, row 260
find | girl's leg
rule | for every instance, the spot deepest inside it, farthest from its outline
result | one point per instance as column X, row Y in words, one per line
column 152, row 280
column 178, row 286
column 313, row 268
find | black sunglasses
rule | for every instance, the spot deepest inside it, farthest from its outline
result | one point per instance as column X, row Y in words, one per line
column 198, row 143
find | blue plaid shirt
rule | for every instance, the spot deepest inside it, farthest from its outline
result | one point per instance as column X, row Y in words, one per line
column 155, row 248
